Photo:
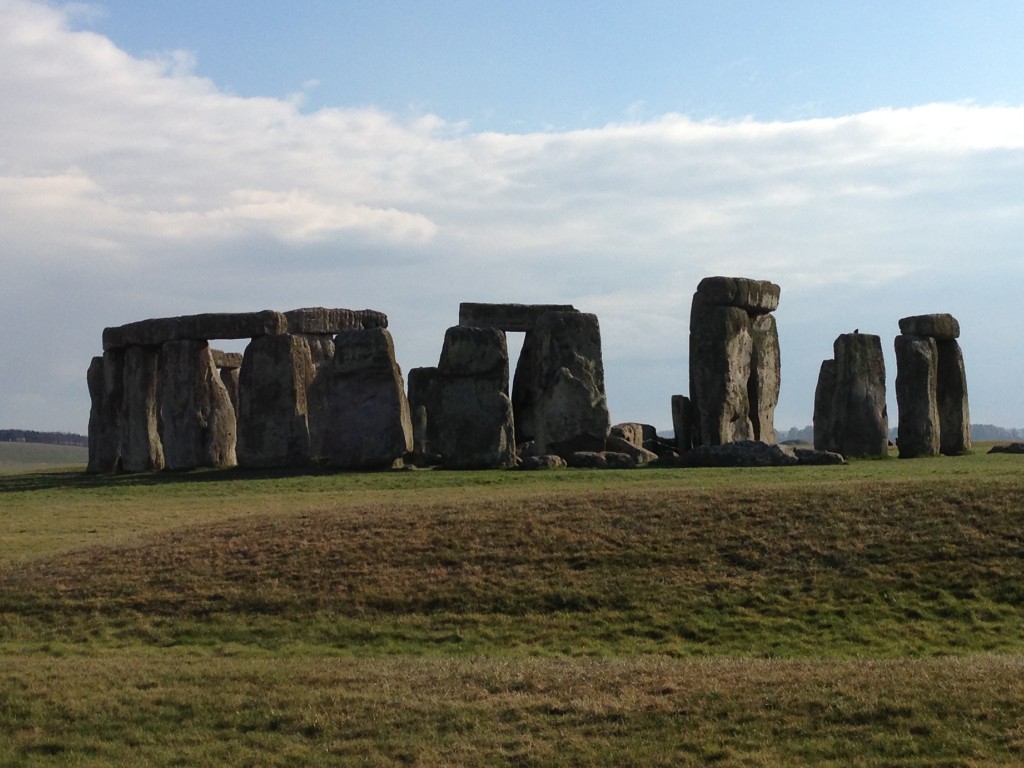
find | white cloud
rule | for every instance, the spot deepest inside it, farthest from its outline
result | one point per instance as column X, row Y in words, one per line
column 132, row 188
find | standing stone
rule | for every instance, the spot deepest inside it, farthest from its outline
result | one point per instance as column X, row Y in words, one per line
column 824, row 398
column 916, row 388
column 196, row 416
column 559, row 385
column 860, row 421
column 366, row 422
column 683, row 422
column 951, row 385
column 141, row 450
column 475, row 426
column 273, row 430
column 425, row 408
column 106, row 388
column 734, row 360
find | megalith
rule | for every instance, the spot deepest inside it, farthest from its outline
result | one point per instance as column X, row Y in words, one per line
column 934, row 412
column 850, row 415
column 229, row 365
column 558, row 393
column 362, row 418
column 197, row 419
column 106, row 387
column 474, row 423
column 273, row 430
column 140, row 448
column 734, row 360
column 425, row 410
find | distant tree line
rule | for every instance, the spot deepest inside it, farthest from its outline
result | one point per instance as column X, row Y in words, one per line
column 978, row 432
column 31, row 436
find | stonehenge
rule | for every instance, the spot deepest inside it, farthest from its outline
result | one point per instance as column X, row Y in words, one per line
column 734, row 364
column 162, row 398
column 931, row 388
column 850, row 414
column 322, row 387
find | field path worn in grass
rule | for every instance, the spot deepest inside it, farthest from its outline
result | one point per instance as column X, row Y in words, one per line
column 870, row 614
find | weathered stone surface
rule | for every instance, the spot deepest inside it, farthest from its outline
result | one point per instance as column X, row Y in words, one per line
column 721, row 346
column 197, row 420
column 226, row 360
column 938, row 326
column 765, row 376
column 223, row 325
column 638, row 453
column 630, row 431
column 321, row 348
column 507, row 317
column 683, row 422
column 141, row 450
column 229, row 378
column 916, row 386
column 1009, row 448
column 824, row 401
column 425, row 407
column 954, row 413
column 754, row 453
column 600, row 460
column 754, row 296
column 558, row 392
column 106, row 387
column 273, row 429
column 332, row 321
column 859, row 415
column 475, row 423
column 366, row 423
column 548, row 461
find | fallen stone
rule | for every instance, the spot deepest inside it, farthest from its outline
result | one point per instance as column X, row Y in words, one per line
column 753, row 453
column 639, row 454
column 600, row 460
column 547, row 461
column 1009, row 448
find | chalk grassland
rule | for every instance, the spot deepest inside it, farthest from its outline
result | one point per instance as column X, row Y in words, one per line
column 24, row 457
column 871, row 614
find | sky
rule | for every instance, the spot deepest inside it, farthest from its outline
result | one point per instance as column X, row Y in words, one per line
column 161, row 159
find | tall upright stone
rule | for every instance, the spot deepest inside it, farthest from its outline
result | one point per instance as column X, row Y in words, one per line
column 106, row 390
column 824, row 396
column 558, row 392
column 425, row 409
column 856, row 423
column 474, row 421
column 141, row 449
column 916, row 389
column 734, row 360
column 273, row 430
column 934, row 414
column 365, row 421
column 197, row 419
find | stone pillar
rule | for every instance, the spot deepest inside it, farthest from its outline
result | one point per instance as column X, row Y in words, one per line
column 196, row 416
column 425, row 408
column 106, row 391
column 558, row 390
column 141, row 450
column 683, row 422
column 475, row 426
column 916, row 388
column 856, row 422
column 947, row 389
column 734, row 360
column 272, row 402
column 362, row 416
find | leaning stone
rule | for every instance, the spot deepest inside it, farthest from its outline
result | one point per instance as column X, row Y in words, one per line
column 639, row 454
column 954, row 413
column 106, row 386
column 273, row 427
column 916, row 377
column 507, row 317
column 140, row 449
column 196, row 416
column 366, row 423
column 938, row 326
column 224, row 325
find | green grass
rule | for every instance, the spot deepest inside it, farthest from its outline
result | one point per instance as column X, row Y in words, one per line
column 24, row 457
column 869, row 614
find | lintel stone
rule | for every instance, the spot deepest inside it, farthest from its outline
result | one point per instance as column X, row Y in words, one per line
column 507, row 317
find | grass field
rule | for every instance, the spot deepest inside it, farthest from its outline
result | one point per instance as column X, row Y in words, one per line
column 870, row 614
column 25, row 457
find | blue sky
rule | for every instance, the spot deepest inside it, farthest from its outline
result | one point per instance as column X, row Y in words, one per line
column 169, row 158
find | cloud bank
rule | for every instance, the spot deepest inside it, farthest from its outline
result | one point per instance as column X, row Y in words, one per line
column 133, row 188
